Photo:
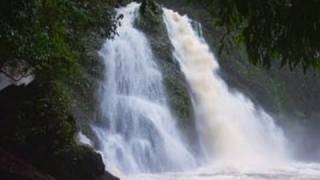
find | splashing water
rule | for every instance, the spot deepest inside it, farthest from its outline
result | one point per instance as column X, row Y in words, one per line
column 242, row 141
column 235, row 132
column 139, row 133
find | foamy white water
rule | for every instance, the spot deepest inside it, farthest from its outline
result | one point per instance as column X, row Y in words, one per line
column 297, row 171
column 236, row 133
column 139, row 133
column 242, row 142
column 139, row 138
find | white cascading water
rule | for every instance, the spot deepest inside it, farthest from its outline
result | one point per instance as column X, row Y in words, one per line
column 235, row 132
column 139, row 135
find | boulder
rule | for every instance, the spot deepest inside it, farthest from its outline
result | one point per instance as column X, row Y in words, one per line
column 13, row 168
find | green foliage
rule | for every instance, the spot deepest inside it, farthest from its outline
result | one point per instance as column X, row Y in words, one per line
column 37, row 119
column 151, row 17
column 37, row 126
column 285, row 30
column 46, row 35
column 54, row 39
column 57, row 41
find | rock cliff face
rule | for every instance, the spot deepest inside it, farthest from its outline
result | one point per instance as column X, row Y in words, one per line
column 152, row 24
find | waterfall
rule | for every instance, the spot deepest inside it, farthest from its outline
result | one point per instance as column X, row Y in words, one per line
column 235, row 132
column 139, row 133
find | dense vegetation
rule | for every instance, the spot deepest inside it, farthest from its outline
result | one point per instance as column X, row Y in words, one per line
column 281, row 30
column 46, row 36
column 56, row 41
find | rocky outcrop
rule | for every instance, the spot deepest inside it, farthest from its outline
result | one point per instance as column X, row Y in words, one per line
column 37, row 125
column 81, row 163
column 13, row 168
column 152, row 24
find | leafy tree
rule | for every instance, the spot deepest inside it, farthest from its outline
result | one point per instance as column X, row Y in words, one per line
column 44, row 36
column 284, row 30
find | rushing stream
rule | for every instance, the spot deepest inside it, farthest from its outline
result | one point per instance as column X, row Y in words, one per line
column 140, row 135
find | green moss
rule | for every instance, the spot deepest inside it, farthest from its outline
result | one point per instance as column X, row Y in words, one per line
column 179, row 100
column 151, row 23
column 151, row 17
column 39, row 118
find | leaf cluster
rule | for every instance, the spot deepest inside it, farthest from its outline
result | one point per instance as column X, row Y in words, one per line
column 46, row 35
column 284, row 30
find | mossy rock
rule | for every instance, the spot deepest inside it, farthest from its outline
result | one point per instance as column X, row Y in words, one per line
column 151, row 17
column 151, row 22
column 37, row 125
column 35, row 115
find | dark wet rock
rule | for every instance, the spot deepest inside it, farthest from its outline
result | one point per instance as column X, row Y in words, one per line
column 36, row 125
column 13, row 168
column 81, row 163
